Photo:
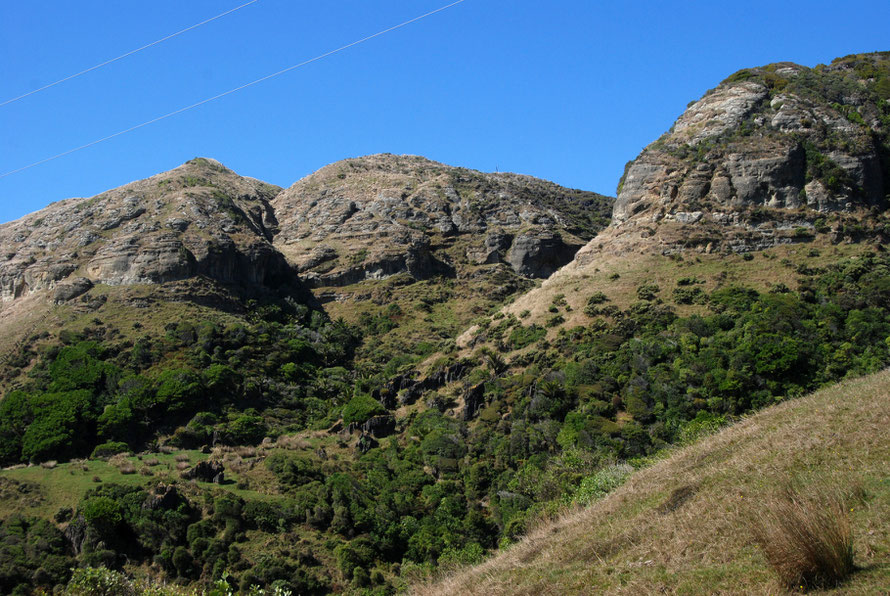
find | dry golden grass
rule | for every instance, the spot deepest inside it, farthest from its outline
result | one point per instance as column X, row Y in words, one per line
column 292, row 442
column 806, row 535
column 246, row 451
column 180, row 457
column 682, row 526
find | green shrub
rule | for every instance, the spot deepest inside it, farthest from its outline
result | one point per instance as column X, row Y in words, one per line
column 102, row 513
column 601, row 483
column 360, row 408
column 108, row 449
column 521, row 337
column 90, row 581
column 648, row 291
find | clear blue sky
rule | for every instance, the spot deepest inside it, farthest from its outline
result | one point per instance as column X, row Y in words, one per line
column 565, row 90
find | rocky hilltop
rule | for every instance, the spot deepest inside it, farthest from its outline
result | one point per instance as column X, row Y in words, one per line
column 776, row 155
column 357, row 219
column 765, row 154
column 200, row 219
column 376, row 216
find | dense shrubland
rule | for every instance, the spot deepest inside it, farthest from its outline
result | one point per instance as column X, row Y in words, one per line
column 557, row 419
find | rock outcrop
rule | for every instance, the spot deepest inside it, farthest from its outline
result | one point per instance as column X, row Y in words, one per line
column 770, row 148
column 200, row 219
column 206, row 471
column 377, row 216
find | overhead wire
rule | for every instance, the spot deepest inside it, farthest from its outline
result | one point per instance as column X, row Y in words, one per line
column 130, row 53
column 236, row 89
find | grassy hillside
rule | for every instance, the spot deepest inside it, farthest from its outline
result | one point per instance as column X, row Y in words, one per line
column 683, row 525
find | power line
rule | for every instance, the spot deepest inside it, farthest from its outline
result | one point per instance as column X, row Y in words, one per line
column 230, row 91
column 130, row 53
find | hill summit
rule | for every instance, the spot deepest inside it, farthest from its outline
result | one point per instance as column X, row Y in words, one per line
column 770, row 150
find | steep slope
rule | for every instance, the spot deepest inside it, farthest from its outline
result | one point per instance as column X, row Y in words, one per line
column 682, row 526
column 774, row 156
column 199, row 219
column 412, row 250
column 198, row 236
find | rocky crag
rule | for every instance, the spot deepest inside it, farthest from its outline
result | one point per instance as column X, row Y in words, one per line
column 774, row 155
column 359, row 219
column 204, row 234
column 376, row 216
column 200, row 219
column 768, row 157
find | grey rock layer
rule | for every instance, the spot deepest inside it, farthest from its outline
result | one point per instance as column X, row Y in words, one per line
column 373, row 217
column 782, row 136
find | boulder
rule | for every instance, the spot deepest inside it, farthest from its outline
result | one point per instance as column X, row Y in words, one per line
column 206, row 471
column 71, row 289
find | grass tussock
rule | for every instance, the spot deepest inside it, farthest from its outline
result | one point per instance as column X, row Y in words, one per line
column 806, row 536
column 292, row 442
column 246, row 451
column 127, row 468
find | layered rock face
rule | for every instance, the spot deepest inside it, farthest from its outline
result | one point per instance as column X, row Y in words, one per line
column 376, row 216
column 200, row 219
column 366, row 218
column 784, row 140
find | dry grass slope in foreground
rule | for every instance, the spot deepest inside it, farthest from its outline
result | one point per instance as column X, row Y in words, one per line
column 684, row 525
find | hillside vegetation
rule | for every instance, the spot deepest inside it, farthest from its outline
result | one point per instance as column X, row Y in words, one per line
column 217, row 384
column 684, row 525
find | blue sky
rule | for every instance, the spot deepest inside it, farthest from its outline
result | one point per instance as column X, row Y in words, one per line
column 565, row 90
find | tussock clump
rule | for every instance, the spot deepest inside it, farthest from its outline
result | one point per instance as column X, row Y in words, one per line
column 151, row 461
column 127, row 468
column 806, row 536
column 246, row 451
column 183, row 465
column 49, row 465
column 181, row 457
column 292, row 442
column 119, row 460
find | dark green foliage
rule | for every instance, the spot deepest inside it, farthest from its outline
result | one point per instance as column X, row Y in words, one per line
column 521, row 337
column 821, row 167
column 33, row 553
column 46, row 425
column 687, row 295
column 246, row 429
column 360, row 408
column 109, row 449
column 292, row 470
column 103, row 514
column 648, row 291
